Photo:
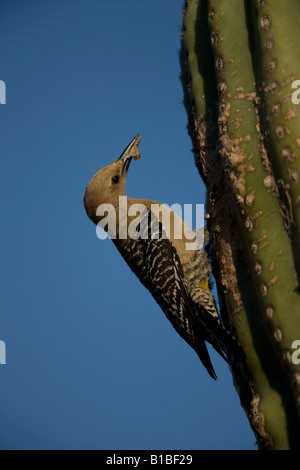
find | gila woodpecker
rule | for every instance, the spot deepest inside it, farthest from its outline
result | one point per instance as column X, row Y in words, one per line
column 177, row 277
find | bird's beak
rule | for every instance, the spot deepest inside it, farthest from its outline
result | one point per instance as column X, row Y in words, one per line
column 131, row 151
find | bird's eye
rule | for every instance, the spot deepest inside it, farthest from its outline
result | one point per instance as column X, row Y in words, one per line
column 115, row 179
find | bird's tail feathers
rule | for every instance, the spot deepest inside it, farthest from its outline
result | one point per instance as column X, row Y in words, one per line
column 203, row 354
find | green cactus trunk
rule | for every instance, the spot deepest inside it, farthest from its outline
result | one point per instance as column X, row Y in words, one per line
column 240, row 61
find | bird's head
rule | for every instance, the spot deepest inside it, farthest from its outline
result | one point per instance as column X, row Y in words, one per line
column 109, row 183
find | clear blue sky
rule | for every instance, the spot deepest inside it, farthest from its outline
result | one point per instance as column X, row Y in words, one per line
column 92, row 363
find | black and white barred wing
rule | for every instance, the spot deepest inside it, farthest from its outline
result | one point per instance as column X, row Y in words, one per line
column 154, row 260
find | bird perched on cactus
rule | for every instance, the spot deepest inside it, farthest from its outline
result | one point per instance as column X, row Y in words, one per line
column 176, row 276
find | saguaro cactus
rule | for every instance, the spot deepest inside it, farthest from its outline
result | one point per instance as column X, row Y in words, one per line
column 240, row 61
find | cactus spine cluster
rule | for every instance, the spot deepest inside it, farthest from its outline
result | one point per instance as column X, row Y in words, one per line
column 240, row 65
